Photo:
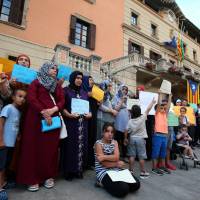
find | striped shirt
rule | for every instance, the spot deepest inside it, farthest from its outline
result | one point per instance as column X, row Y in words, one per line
column 108, row 149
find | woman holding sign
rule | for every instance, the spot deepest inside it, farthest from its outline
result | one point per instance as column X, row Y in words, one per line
column 74, row 147
column 39, row 150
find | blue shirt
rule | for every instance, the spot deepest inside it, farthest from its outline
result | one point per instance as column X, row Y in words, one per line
column 11, row 125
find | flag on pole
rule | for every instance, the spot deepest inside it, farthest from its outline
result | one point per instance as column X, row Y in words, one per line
column 180, row 47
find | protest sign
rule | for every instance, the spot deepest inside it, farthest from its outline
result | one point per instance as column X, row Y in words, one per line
column 145, row 99
column 166, row 87
column 23, row 74
column 97, row 93
column 64, row 72
column 131, row 102
column 79, row 106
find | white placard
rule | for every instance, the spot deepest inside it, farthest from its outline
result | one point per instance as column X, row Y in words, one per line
column 166, row 87
column 123, row 175
column 131, row 102
column 145, row 99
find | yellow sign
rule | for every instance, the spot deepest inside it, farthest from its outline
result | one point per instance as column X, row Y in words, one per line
column 1, row 68
column 189, row 113
column 97, row 93
column 7, row 65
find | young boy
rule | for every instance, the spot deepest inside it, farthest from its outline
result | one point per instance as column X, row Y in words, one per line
column 183, row 139
column 159, row 138
column 9, row 126
column 136, row 132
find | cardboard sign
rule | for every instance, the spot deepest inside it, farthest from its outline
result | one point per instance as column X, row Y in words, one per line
column 23, row 74
column 145, row 99
column 64, row 72
column 79, row 106
column 1, row 68
column 189, row 113
column 166, row 87
column 131, row 102
column 97, row 93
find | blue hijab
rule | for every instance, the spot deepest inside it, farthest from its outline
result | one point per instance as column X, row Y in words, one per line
column 85, row 84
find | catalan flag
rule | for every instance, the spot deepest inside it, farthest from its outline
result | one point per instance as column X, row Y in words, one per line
column 193, row 92
column 180, row 48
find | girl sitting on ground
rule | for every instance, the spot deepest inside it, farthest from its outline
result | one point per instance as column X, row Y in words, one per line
column 107, row 158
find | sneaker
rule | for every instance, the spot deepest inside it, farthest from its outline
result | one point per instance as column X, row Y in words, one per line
column 157, row 171
column 3, row 195
column 170, row 166
column 165, row 170
column 33, row 188
column 49, row 183
column 144, row 175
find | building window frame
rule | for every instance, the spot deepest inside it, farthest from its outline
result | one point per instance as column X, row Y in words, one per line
column 153, row 55
column 82, row 33
column 194, row 53
column 18, row 13
column 137, row 49
column 136, row 21
column 154, row 30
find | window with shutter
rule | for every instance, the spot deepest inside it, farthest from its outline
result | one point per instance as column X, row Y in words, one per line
column 82, row 33
column 12, row 11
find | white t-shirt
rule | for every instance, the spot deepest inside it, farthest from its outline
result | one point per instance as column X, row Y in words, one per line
column 137, row 127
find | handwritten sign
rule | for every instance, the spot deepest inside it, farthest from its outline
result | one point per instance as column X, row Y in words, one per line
column 64, row 72
column 56, row 123
column 189, row 113
column 79, row 106
column 145, row 99
column 166, row 87
column 23, row 74
column 1, row 68
column 131, row 102
column 97, row 93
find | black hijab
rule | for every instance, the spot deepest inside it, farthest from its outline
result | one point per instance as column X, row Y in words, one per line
column 72, row 79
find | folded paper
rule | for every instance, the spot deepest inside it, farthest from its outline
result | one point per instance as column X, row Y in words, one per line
column 56, row 123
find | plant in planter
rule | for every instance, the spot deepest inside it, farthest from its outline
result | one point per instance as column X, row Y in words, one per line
column 175, row 70
column 150, row 66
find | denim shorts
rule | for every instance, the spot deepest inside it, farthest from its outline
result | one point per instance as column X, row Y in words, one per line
column 137, row 147
column 159, row 145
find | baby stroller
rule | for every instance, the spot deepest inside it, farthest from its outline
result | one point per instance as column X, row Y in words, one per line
column 183, row 163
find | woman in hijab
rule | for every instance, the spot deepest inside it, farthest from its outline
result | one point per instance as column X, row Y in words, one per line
column 74, row 147
column 39, row 150
column 120, row 104
column 106, row 113
column 88, row 83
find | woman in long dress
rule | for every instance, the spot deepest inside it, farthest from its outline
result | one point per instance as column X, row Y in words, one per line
column 39, row 150
column 74, row 147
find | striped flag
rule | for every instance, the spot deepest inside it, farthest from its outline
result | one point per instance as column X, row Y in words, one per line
column 180, row 47
column 193, row 92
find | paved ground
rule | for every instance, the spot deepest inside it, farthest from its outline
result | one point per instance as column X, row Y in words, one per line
column 180, row 185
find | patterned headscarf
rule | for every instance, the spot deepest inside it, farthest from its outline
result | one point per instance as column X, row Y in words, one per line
column 45, row 79
column 72, row 79
column 104, row 87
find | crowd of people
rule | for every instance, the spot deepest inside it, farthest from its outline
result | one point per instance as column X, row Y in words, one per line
column 95, row 140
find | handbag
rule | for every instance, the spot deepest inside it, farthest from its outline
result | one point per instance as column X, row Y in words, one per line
column 56, row 123
column 63, row 130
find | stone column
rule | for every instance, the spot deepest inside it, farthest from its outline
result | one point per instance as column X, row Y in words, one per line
column 95, row 68
column 61, row 54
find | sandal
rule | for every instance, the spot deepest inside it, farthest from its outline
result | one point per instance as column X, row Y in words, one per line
column 33, row 188
column 49, row 183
